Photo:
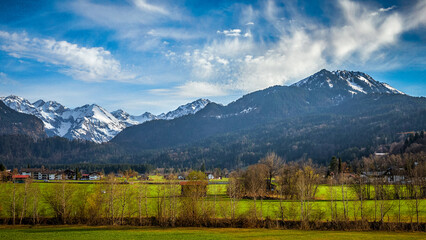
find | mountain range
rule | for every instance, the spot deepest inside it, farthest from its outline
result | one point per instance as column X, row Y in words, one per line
column 319, row 93
column 90, row 122
column 343, row 113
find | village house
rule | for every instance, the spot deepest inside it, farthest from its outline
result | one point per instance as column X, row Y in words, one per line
column 20, row 178
column 32, row 172
column 210, row 176
column 95, row 176
column 391, row 175
column 395, row 175
column 39, row 173
column 46, row 174
column 91, row 176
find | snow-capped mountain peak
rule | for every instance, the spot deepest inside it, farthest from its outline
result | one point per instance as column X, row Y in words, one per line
column 347, row 82
column 90, row 122
column 190, row 108
column 19, row 104
column 130, row 120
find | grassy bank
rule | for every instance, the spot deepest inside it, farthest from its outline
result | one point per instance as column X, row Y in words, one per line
column 105, row 233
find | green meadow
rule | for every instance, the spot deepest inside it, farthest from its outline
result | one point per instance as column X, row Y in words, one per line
column 152, row 233
column 220, row 203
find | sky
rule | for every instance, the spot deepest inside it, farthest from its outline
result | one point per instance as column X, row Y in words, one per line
column 153, row 55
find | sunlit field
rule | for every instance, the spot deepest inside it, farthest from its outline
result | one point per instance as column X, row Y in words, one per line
column 220, row 204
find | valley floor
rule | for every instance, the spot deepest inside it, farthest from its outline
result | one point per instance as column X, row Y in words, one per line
column 152, row 233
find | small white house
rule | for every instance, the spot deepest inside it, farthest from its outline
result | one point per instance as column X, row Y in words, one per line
column 51, row 176
column 94, row 176
column 210, row 176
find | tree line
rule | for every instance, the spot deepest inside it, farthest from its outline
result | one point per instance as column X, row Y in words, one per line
column 361, row 188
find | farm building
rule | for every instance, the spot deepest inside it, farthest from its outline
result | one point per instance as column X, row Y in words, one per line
column 20, row 178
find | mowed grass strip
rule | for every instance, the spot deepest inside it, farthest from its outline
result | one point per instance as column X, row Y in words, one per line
column 116, row 233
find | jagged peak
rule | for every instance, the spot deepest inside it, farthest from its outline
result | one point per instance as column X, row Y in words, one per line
column 352, row 82
column 15, row 98
column 202, row 100
column 39, row 103
column 147, row 114
column 118, row 111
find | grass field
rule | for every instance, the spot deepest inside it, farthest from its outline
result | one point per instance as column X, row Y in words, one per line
column 218, row 200
column 116, row 233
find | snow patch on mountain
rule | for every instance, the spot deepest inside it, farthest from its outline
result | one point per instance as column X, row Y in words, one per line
column 355, row 87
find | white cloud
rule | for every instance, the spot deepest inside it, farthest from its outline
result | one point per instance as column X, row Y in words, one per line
column 81, row 63
column 145, row 6
column 235, row 33
column 216, row 61
column 231, row 32
column 387, row 9
column 173, row 34
column 292, row 58
column 364, row 33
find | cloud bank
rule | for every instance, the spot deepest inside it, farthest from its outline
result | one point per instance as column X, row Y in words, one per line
column 87, row 64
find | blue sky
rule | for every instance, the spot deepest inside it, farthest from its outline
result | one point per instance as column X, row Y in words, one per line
column 146, row 55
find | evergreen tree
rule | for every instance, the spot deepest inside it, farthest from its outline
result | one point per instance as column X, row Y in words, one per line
column 2, row 167
column 333, row 165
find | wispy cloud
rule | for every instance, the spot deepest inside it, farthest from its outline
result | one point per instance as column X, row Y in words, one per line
column 357, row 36
column 82, row 63
column 5, row 80
column 114, row 15
column 193, row 89
column 364, row 33
column 173, row 33
column 139, row 23
column 145, row 6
